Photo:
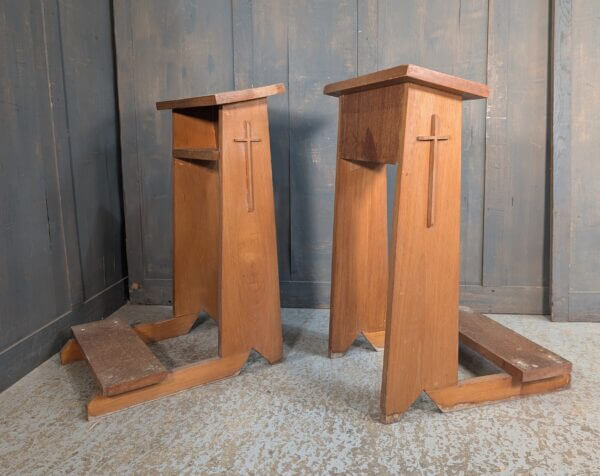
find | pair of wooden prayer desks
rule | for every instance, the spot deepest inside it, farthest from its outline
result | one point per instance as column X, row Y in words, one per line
column 403, row 299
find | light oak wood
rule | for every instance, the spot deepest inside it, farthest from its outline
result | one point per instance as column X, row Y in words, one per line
column 489, row 389
column 360, row 244
column 421, row 346
column 227, row 97
column 433, row 158
column 182, row 378
column 196, row 250
column 70, row 352
column 376, row 339
column 410, row 73
column 248, row 279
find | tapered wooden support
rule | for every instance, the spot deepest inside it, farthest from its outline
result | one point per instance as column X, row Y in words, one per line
column 421, row 348
column 359, row 276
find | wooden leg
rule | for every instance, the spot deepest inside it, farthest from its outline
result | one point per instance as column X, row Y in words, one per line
column 360, row 254
column 157, row 331
column 70, row 352
column 376, row 339
column 148, row 332
column 249, row 306
column 182, row 378
column 492, row 388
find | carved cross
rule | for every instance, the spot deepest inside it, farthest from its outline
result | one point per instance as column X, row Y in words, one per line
column 248, row 140
column 433, row 155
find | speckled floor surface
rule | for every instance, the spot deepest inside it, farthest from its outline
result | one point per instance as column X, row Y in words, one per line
column 307, row 415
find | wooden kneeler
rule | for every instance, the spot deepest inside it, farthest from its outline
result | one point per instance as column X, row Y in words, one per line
column 224, row 256
column 407, row 303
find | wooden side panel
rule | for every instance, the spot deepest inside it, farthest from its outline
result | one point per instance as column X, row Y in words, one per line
column 360, row 253
column 196, row 128
column 249, row 301
column 196, row 223
column 195, row 237
column 365, row 125
column 421, row 346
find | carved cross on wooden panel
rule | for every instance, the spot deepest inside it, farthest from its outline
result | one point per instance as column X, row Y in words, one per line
column 248, row 140
column 434, row 138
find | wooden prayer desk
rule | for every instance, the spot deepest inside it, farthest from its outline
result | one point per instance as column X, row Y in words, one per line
column 410, row 116
column 224, row 256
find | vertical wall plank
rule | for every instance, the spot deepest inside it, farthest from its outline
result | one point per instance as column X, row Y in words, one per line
column 561, row 158
column 322, row 49
column 472, row 64
column 93, row 137
column 516, row 228
column 60, row 166
column 33, row 282
column 164, row 50
column 584, row 186
column 260, row 43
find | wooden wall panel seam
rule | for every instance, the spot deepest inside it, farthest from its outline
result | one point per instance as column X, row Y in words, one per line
column 62, row 154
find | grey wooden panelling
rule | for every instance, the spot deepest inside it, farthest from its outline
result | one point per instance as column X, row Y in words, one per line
column 576, row 169
column 164, row 50
column 62, row 259
column 306, row 44
column 516, row 218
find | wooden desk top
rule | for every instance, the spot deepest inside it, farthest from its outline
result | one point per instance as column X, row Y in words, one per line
column 409, row 73
column 227, row 97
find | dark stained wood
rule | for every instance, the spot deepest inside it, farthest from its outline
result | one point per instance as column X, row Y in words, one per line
column 196, row 154
column 148, row 332
column 119, row 359
column 512, row 352
column 223, row 98
column 409, row 73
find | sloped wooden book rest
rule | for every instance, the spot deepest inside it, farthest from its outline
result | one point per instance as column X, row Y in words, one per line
column 407, row 303
column 224, row 256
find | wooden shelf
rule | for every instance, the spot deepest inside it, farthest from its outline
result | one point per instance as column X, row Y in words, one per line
column 196, row 154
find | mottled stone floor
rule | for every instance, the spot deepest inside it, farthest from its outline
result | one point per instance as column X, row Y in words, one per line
column 308, row 415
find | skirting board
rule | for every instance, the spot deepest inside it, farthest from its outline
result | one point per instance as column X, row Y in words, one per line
column 22, row 357
column 311, row 294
